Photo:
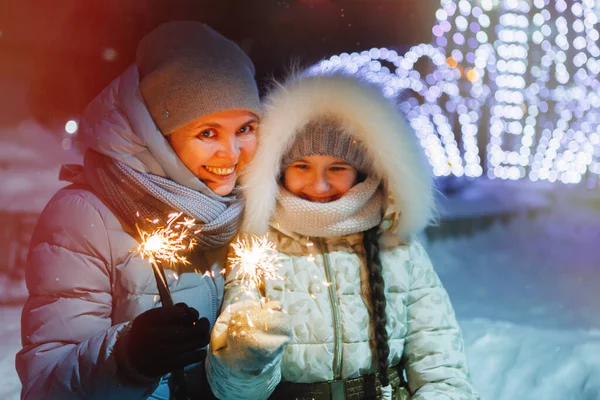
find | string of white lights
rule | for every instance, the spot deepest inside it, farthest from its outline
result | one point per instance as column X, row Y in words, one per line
column 517, row 79
column 538, row 91
column 590, row 13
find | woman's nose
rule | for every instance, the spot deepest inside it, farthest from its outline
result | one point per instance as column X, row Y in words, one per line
column 229, row 149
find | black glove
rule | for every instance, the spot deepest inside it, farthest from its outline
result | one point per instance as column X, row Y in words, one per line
column 162, row 340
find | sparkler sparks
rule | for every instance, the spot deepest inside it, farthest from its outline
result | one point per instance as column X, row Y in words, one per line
column 166, row 243
column 256, row 260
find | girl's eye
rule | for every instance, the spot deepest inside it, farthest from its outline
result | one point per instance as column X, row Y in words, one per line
column 337, row 169
column 246, row 129
column 301, row 166
column 207, row 133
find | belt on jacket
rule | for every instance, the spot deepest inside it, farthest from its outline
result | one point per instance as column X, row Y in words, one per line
column 361, row 388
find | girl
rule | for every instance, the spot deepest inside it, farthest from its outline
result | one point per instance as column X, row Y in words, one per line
column 339, row 187
column 170, row 135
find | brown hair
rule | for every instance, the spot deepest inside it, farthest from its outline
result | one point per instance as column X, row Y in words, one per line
column 378, row 301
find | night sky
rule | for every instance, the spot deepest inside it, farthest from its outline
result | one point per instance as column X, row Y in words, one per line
column 55, row 56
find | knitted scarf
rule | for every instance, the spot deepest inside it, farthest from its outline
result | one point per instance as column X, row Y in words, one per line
column 138, row 198
column 356, row 211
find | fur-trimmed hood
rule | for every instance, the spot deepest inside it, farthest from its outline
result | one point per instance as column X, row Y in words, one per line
column 371, row 118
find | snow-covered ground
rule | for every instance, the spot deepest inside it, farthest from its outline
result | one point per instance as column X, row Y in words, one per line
column 527, row 296
column 10, row 343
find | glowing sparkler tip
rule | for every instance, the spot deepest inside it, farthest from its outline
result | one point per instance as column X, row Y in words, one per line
column 165, row 243
column 255, row 260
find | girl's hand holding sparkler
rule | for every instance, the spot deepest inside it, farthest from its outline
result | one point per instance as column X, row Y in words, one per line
column 251, row 333
column 250, row 336
column 161, row 340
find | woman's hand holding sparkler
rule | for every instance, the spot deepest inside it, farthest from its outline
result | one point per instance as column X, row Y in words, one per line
column 161, row 340
column 251, row 335
column 166, row 244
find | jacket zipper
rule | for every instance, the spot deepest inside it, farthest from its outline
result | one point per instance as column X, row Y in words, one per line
column 335, row 307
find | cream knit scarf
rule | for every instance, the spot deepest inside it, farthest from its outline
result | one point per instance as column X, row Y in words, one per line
column 358, row 210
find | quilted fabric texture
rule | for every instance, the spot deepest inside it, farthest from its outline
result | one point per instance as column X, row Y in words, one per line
column 421, row 325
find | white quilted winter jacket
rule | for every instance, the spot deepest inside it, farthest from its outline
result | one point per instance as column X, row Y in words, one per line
column 421, row 323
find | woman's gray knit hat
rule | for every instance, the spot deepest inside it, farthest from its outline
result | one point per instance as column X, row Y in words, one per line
column 327, row 137
column 187, row 71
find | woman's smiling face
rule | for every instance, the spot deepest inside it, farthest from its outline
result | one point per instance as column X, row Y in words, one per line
column 217, row 147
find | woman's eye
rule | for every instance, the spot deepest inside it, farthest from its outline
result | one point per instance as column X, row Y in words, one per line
column 207, row 133
column 246, row 129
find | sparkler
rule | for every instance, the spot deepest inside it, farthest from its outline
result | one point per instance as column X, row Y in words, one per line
column 165, row 244
column 256, row 262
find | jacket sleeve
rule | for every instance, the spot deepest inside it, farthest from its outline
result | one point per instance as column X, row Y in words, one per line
column 434, row 357
column 67, row 333
column 224, row 382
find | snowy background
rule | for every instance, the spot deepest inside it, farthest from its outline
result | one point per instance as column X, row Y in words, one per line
column 526, row 295
column 526, row 290
column 30, row 158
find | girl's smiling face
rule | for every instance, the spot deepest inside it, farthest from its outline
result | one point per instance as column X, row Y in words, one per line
column 320, row 178
column 217, row 147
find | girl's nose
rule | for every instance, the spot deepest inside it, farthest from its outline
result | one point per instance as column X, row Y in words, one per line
column 321, row 183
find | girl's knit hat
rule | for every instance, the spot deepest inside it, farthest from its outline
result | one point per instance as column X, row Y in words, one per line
column 326, row 137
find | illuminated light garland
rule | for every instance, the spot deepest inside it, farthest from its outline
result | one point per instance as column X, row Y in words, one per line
column 513, row 78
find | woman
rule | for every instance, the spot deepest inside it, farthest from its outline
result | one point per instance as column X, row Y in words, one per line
column 339, row 186
column 170, row 135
